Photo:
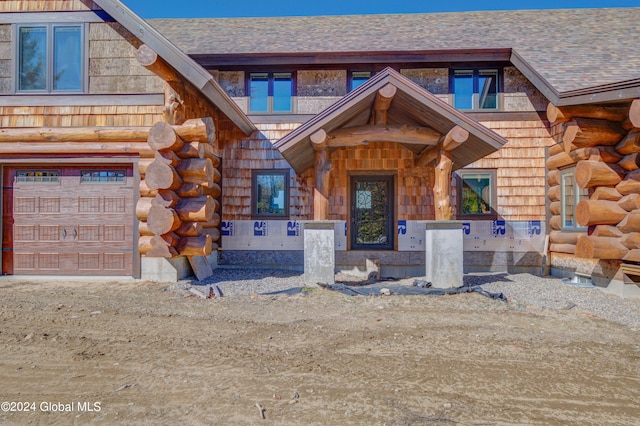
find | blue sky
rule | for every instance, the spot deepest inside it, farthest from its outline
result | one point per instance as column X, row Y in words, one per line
column 253, row 8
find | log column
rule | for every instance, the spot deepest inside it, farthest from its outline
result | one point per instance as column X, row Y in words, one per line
column 442, row 186
column 322, row 169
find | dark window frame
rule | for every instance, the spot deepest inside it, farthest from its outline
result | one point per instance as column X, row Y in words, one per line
column 350, row 77
column 476, row 89
column 493, row 175
column 254, row 193
column 50, row 61
column 271, row 75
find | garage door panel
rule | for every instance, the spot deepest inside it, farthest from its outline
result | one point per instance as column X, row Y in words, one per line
column 63, row 224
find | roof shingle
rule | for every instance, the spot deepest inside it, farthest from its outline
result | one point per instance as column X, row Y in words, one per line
column 571, row 49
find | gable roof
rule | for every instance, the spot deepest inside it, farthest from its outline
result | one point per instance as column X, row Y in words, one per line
column 571, row 55
column 411, row 105
column 187, row 67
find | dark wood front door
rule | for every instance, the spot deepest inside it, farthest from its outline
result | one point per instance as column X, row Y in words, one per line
column 372, row 213
column 71, row 220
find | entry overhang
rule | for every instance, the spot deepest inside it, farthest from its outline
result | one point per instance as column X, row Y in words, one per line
column 422, row 116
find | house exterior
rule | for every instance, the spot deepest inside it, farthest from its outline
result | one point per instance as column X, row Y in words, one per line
column 506, row 121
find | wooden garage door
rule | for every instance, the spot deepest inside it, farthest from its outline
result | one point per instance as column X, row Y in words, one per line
column 68, row 220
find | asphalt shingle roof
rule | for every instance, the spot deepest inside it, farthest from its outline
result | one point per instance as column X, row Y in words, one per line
column 571, row 49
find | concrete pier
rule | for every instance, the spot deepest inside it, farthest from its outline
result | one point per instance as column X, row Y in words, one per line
column 319, row 252
column 444, row 253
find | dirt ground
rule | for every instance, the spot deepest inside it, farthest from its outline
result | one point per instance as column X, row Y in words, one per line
column 131, row 353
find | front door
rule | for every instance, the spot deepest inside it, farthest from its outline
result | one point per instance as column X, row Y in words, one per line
column 372, row 209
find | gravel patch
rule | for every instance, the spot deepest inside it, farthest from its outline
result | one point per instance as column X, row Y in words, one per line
column 522, row 289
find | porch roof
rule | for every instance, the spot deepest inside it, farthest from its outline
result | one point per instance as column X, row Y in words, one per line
column 411, row 106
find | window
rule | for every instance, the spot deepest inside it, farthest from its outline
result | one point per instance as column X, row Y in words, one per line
column 475, row 89
column 270, row 92
column 476, row 194
column 358, row 78
column 270, row 193
column 571, row 195
column 38, row 176
column 102, row 176
column 50, row 58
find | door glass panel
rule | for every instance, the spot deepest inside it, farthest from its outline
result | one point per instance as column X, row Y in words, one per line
column 372, row 213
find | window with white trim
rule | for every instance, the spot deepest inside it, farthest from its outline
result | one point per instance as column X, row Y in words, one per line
column 571, row 195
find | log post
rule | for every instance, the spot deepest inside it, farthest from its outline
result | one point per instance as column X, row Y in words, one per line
column 630, row 184
column 454, row 138
column 629, row 144
column 563, row 159
column 197, row 170
column 604, row 193
column 442, row 186
column 630, row 162
column 160, row 248
column 553, row 194
column 630, row 202
column 323, row 168
column 161, row 175
column 162, row 220
column 555, row 222
column 163, row 136
column 606, row 231
column 631, row 222
column 599, row 212
column 586, row 132
column 149, row 59
column 382, row 103
column 197, row 130
column 590, row 173
column 196, row 209
column 633, row 118
column 143, row 207
column 553, row 177
column 563, row 114
column 607, row 248
column 195, row 246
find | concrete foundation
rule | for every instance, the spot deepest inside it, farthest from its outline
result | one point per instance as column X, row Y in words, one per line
column 319, row 252
column 444, row 253
column 163, row 270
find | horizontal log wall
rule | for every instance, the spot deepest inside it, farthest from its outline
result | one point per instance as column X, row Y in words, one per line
column 80, row 116
column 602, row 142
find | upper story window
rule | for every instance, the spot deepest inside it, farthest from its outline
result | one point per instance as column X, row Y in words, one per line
column 271, row 92
column 358, row 78
column 475, row 89
column 50, row 58
column 571, row 195
column 476, row 194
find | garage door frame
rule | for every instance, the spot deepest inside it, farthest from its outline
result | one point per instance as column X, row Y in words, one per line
column 115, row 161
